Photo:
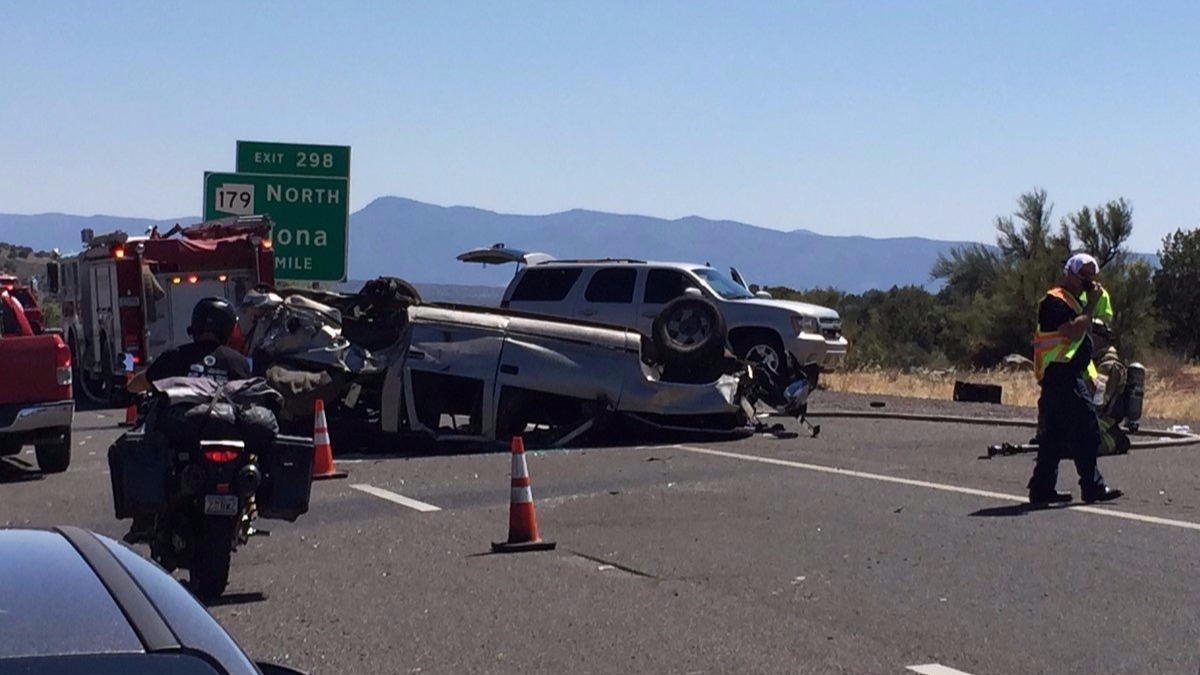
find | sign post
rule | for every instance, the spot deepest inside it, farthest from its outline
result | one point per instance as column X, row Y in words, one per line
column 305, row 189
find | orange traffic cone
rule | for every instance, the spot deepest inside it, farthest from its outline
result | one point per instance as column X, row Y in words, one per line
column 323, row 461
column 131, row 411
column 522, row 520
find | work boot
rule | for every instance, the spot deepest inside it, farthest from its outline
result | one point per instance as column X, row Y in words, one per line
column 1107, row 494
column 1040, row 498
column 140, row 531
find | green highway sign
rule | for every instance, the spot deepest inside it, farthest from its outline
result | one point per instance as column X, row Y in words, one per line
column 293, row 159
column 311, row 216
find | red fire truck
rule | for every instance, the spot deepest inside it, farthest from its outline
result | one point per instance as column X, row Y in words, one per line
column 126, row 299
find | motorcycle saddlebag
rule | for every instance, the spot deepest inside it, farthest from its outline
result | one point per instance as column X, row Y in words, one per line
column 139, row 467
column 287, row 478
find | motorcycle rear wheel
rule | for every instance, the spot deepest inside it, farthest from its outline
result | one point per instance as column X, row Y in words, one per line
column 212, row 550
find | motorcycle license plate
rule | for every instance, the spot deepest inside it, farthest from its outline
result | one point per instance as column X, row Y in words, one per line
column 220, row 505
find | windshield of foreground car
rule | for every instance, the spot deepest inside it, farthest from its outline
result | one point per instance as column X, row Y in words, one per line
column 722, row 285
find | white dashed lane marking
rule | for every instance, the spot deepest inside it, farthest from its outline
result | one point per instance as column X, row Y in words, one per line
column 395, row 498
column 943, row 487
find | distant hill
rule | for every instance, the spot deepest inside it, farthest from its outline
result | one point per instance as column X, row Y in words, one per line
column 483, row 296
column 422, row 240
column 418, row 242
column 24, row 262
column 48, row 231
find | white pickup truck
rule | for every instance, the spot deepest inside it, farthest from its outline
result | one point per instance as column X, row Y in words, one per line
column 777, row 334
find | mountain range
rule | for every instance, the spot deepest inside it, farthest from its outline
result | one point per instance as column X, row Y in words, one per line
column 419, row 242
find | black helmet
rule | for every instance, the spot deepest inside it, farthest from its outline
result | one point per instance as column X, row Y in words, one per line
column 213, row 315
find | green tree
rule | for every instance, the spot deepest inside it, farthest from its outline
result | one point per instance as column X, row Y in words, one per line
column 1177, row 290
column 1104, row 232
column 992, row 293
column 51, row 313
column 967, row 270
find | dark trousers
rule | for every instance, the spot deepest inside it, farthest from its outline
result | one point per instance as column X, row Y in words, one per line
column 1070, row 428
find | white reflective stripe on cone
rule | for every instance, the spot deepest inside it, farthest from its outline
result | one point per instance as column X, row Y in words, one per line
column 519, row 468
column 321, row 438
column 522, row 495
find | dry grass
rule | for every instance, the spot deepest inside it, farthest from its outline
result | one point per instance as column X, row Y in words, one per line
column 1172, row 388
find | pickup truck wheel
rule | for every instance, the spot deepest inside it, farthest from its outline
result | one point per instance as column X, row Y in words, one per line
column 689, row 330
column 54, row 457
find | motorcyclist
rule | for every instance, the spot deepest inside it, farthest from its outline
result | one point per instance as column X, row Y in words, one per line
column 208, row 355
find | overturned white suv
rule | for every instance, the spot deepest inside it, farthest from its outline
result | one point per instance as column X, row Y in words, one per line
column 780, row 335
column 384, row 361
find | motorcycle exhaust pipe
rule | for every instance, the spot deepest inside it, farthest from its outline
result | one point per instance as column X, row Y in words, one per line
column 248, row 480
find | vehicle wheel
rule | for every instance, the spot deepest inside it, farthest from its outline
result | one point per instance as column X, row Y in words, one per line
column 688, row 330
column 408, row 291
column 54, row 457
column 106, row 372
column 762, row 349
column 211, row 553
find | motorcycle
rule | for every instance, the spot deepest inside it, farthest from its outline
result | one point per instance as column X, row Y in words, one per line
column 206, row 461
column 211, row 513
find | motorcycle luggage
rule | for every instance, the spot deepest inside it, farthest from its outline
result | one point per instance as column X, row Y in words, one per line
column 139, row 468
column 257, row 426
column 287, row 478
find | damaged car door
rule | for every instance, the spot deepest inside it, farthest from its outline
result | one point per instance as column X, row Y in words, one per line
column 558, row 374
column 450, row 371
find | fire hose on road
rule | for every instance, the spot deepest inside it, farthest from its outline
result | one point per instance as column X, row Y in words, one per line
column 1156, row 438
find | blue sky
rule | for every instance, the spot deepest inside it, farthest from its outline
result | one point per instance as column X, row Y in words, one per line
column 873, row 118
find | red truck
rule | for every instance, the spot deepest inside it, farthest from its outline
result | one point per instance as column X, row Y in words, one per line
column 36, row 401
column 28, row 299
column 127, row 298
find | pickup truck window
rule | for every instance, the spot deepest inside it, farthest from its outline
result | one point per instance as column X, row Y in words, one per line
column 663, row 286
column 24, row 297
column 10, row 324
column 612, row 285
column 547, row 284
column 721, row 284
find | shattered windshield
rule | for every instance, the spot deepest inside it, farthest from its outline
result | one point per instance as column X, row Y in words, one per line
column 721, row 284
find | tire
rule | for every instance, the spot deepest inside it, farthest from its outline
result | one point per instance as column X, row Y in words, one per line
column 54, row 457
column 212, row 550
column 107, row 374
column 763, row 349
column 689, row 330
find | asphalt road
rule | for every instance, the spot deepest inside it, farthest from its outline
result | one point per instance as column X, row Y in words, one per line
column 880, row 547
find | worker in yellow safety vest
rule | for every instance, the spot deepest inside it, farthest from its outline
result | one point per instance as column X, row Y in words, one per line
column 1062, row 352
column 1104, row 313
